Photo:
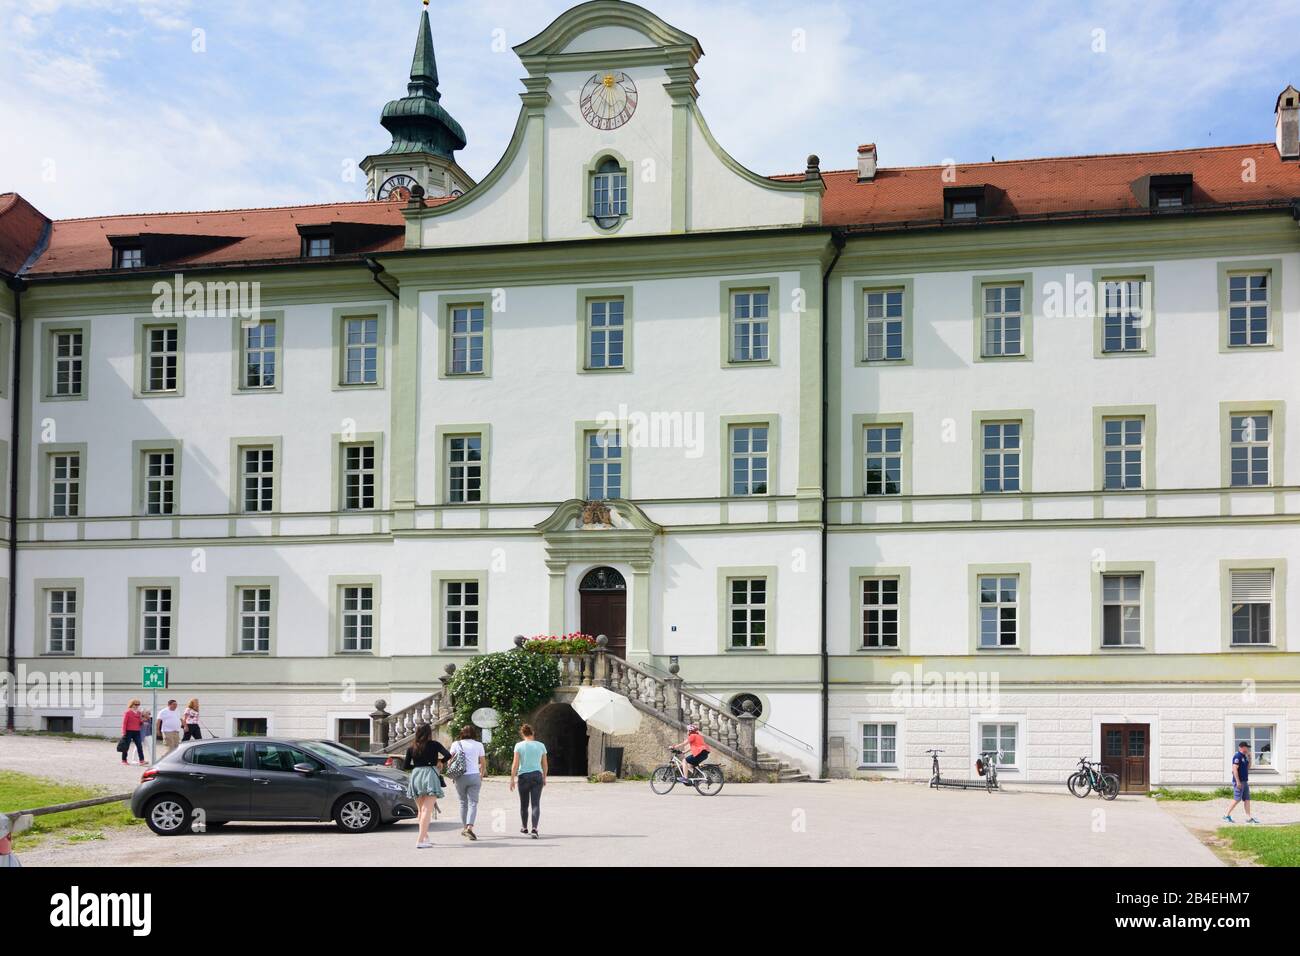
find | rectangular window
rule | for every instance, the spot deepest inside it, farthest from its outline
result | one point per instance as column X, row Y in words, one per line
column 162, row 358
column 1121, row 610
column 65, row 486
column 879, row 745
column 1001, row 456
column 964, row 209
column 261, row 351
column 257, row 478
column 130, row 258
column 749, row 459
column 464, row 469
column 999, row 738
column 609, row 192
column 605, row 332
column 880, row 612
column 1123, row 452
column 1252, row 607
column 1248, row 310
column 884, row 325
column 359, row 477
column 361, row 350
column 159, row 492
column 460, row 608
column 999, row 610
column 321, row 246
column 1124, row 323
column 748, row 604
column 155, row 620
column 1002, row 320
column 254, row 620
column 749, row 326
column 357, row 617
column 883, row 453
column 68, row 357
column 1250, row 449
column 466, row 349
column 1260, row 737
column 354, row 732
column 61, row 621
column 249, row 727
column 604, row 464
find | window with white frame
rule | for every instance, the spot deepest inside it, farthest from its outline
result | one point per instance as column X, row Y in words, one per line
column 359, row 476
column 162, row 358
column 605, row 332
column 131, row 257
column 468, row 336
column 155, row 620
column 1000, row 738
column 879, row 745
column 257, row 478
column 1001, row 444
column 357, row 618
column 609, row 193
column 61, row 620
column 1003, row 320
column 159, row 492
column 604, row 464
column 1251, row 600
column 361, row 350
column 1121, row 610
column 1250, row 449
column 749, row 459
column 1248, row 310
column 1261, row 738
column 460, row 603
column 999, row 610
column 464, row 469
column 254, row 605
column 749, row 326
column 883, row 460
column 747, row 600
column 65, row 485
column 67, row 354
column 1122, row 449
column 1124, row 325
column 260, row 343
column 884, row 325
column 319, row 246
column 880, row 612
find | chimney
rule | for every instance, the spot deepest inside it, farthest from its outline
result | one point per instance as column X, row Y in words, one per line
column 867, row 163
column 1288, row 123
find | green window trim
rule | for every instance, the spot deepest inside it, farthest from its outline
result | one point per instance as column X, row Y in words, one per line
column 1278, row 615
column 588, row 176
column 973, row 574
column 725, row 576
column 1100, row 277
column 860, row 290
column 135, row 635
column 1147, row 569
column 142, row 326
column 45, row 477
column 139, row 492
column 1277, row 439
column 582, row 429
column 585, row 297
column 338, row 442
column 856, row 578
column 1276, row 321
column 1026, row 282
column 446, row 303
column 726, row 290
column 47, row 333
column 40, row 586
column 337, row 582
column 772, row 422
column 439, row 580
column 339, row 316
column 859, row 480
column 980, row 417
column 237, row 448
column 233, row 586
column 238, row 351
column 441, row 489
column 1100, row 414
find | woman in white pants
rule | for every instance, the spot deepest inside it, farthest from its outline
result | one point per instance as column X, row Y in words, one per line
column 470, row 782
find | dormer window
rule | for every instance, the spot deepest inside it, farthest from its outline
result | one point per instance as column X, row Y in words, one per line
column 1166, row 198
column 1164, row 191
column 318, row 246
column 964, row 203
column 130, row 257
column 964, row 209
column 609, row 193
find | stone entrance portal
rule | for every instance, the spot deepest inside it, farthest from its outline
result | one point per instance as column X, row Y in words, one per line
column 565, row 735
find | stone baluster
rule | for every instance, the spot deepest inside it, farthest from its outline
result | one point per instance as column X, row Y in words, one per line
column 673, row 694
column 601, row 675
column 379, row 727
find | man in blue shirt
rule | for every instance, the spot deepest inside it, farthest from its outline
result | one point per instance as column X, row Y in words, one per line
column 1241, row 782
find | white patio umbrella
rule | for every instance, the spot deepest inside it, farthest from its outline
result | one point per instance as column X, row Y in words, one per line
column 606, row 711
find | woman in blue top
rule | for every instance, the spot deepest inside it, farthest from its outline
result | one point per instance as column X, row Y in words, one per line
column 529, row 769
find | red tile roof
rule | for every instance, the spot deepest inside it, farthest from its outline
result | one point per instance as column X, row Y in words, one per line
column 22, row 228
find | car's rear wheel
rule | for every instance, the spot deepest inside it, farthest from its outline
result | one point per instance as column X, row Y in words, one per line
column 356, row 814
column 168, row 815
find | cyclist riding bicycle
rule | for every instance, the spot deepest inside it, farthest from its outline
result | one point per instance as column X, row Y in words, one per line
column 699, row 749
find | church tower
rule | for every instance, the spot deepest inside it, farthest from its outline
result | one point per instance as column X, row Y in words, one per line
column 425, row 137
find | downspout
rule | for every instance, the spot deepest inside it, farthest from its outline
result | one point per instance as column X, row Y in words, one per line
column 15, row 392
column 376, row 269
column 837, row 237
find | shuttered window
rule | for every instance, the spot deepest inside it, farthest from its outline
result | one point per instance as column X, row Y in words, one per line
column 1251, row 601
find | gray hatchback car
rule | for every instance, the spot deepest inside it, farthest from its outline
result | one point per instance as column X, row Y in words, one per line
column 209, row 783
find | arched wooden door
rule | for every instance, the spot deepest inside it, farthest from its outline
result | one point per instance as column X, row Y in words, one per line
column 603, row 594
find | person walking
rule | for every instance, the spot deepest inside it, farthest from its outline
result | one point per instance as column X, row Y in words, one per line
column 1241, row 782
column 469, row 783
column 132, row 724
column 169, row 722
column 191, row 721
column 529, row 768
column 424, row 785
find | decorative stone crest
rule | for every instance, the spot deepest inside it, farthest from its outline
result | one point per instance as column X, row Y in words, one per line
column 595, row 514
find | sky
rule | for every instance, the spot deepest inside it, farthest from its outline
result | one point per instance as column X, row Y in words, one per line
column 121, row 106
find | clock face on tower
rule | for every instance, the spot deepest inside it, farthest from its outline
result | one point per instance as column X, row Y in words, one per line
column 396, row 187
column 608, row 100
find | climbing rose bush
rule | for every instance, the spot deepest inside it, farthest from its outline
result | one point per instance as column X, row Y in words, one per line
column 511, row 683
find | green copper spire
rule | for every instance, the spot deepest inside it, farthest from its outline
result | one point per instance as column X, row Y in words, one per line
column 418, row 122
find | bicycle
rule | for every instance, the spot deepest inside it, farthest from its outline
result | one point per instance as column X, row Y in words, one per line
column 1093, row 776
column 986, row 766
column 707, row 779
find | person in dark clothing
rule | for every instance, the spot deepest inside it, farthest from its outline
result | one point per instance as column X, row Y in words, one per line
column 425, row 785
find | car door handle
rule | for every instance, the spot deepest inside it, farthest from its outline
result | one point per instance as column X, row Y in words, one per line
column 198, row 776
column 261, row 780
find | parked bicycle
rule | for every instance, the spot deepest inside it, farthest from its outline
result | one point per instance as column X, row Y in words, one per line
column 707, row 780
column 986, row 767
column 1091, row 776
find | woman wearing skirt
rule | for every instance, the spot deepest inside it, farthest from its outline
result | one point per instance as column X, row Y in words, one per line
column 425, row 786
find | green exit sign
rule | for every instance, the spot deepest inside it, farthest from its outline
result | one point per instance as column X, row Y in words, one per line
column 155, row 678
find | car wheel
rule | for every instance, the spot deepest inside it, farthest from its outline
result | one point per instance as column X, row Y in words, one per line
column 168, row 815
column 356, row 814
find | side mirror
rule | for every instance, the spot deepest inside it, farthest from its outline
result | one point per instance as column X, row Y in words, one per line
column 304, row 768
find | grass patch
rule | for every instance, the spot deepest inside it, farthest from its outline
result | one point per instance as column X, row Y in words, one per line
column 1271, row 846
column 20, row 791
column 1187, row 796
column 1286, row 794
column 60, row 734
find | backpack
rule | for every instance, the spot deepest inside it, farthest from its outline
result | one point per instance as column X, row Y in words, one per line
column 457, row 765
